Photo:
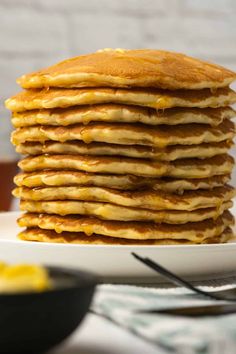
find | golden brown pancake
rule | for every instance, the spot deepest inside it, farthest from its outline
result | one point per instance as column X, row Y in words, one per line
column 109, row 211
column 169, row 153
column 40, row 235
column 128, row 134
column 147, row 199
column 159, row 99
column 131, row 68
column 200, row 168
column 121, row 114
column 123, row 182
column 182, row 168
column 196, row 231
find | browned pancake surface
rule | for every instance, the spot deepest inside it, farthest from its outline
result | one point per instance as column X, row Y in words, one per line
column 168, row 153
column 159, row 99
column 123, row 114
column 149, row 199
column 196, row 231
column 130, row 68
column 182, row 168
column 125, row 182
column 40, row 235
column 129, row 134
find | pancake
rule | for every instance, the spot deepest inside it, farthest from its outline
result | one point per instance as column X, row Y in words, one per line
column 147, row 199
column 182, row 168
column 40, row 235
column 108, row 211
column 216, row 165
column 169, row 153
column 125, row 182
column 128, row 134
column 159, row 99
column 125, row 147
column 131, row 68
column 196, row 231
column 121, row 114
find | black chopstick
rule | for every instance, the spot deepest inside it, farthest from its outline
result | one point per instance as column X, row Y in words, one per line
column 173, row 277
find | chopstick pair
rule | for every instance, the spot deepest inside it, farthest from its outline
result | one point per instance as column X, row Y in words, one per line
column 190, row 311
column 222, row 295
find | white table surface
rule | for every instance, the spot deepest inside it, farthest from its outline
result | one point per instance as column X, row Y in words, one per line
column 100, row 336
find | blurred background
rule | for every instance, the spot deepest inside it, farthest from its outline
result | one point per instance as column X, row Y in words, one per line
column 38, row 33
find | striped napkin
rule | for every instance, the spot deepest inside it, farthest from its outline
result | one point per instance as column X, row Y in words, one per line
column 208, row 335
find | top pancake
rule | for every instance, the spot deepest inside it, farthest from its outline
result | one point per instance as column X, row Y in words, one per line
column 131, row 68
column 159, row 99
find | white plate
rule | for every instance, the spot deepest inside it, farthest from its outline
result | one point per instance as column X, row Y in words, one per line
column 116, row 262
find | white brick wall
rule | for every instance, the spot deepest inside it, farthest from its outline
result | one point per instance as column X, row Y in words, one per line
column 26, row 31
column 37, row 33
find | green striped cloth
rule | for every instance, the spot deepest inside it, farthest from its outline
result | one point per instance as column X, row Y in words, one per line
column 211, row 335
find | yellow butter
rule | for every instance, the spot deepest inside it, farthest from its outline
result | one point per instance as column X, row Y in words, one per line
column 23, row 278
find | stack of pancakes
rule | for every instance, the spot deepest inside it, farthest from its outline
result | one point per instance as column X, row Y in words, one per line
column 125, row 147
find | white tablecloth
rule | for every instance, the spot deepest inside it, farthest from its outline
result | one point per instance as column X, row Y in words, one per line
column 100, row 336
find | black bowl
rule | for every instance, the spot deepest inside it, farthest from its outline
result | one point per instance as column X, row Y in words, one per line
column 35, row 322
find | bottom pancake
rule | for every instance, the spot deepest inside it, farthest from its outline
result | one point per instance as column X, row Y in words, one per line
column 193, row 231
column 39, row 235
